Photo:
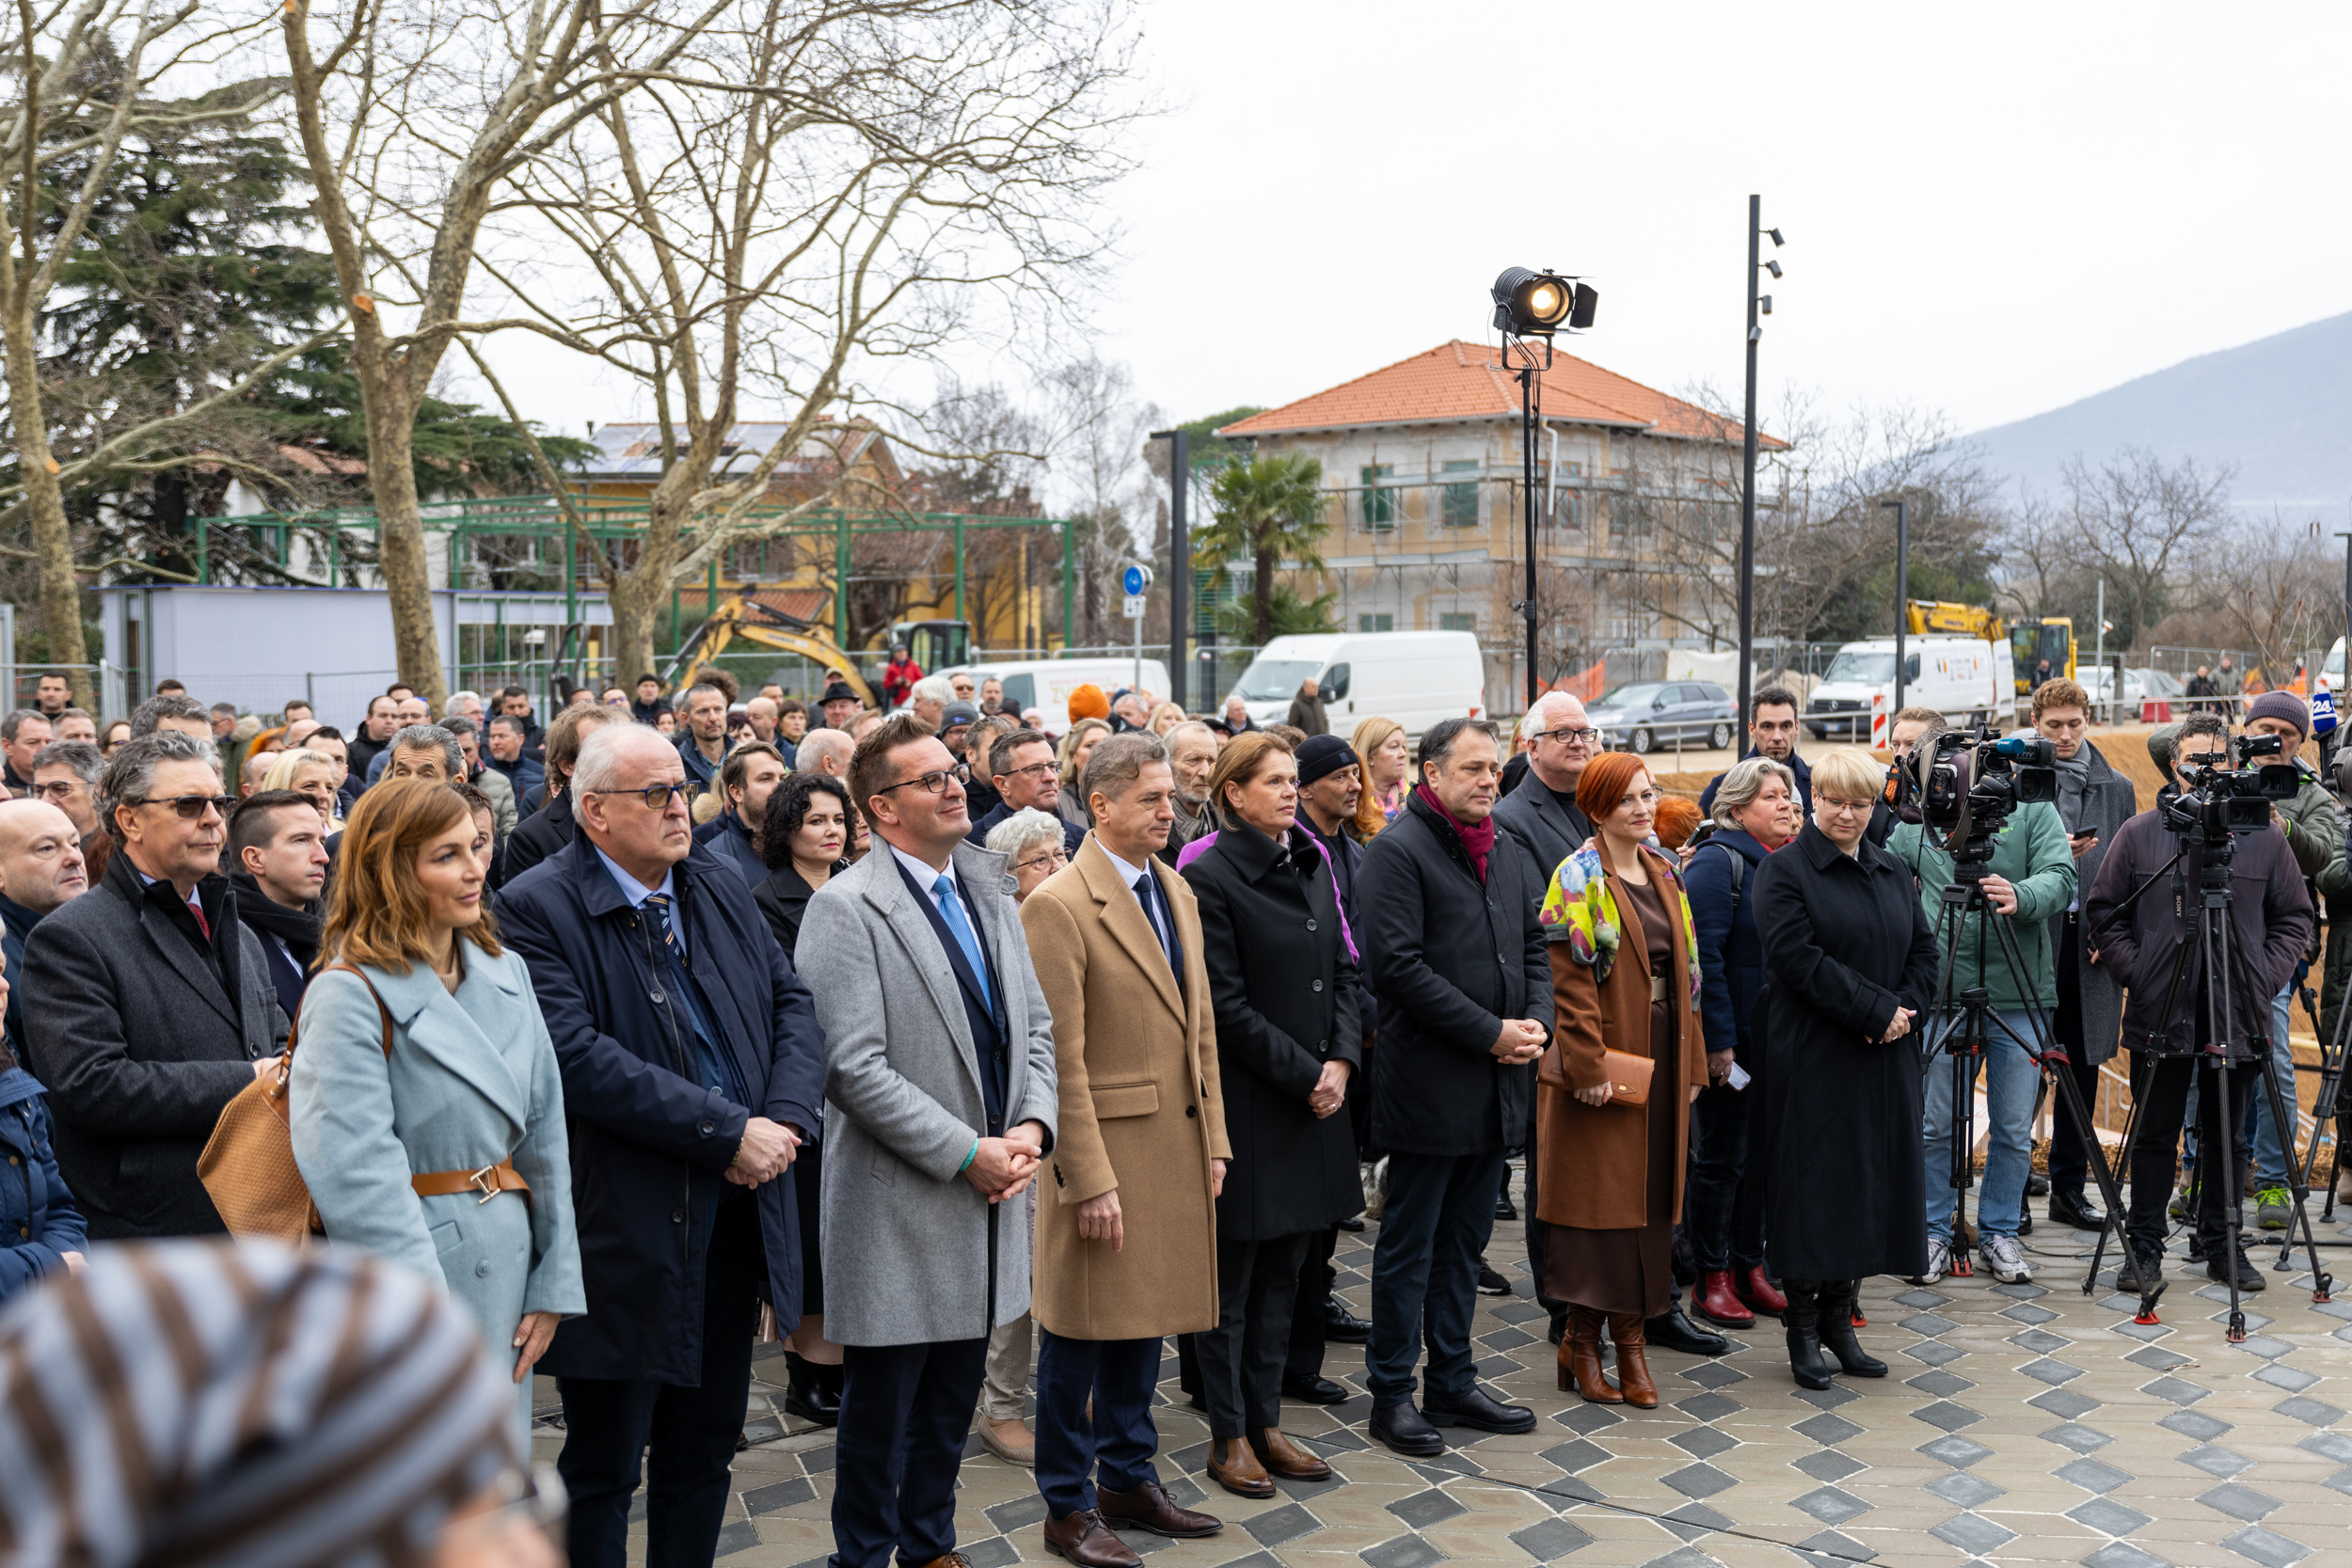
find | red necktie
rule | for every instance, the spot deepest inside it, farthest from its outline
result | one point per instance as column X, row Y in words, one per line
column 202, row 923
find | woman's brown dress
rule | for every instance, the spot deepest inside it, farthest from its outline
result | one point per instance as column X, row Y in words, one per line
column 1631, row 1270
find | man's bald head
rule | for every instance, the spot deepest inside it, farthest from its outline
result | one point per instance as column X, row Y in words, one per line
column 825, row 751
column 41, row 856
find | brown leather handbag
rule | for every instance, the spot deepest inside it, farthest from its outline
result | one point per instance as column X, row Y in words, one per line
column 1628, row 1075
column 249, row 1163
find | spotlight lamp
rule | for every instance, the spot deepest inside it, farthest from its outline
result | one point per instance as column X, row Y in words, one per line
column 1538, row 304
column 1764, row 303
column 1772, row 267
column 1777, row 240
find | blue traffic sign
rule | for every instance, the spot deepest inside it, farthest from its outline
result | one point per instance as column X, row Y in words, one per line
column 1132, row 580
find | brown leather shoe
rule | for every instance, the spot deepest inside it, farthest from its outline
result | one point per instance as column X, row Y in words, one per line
column 1233, row 1464
column 1147, row 1508
column 1285, row 1458
column 1086, row 1541
column 1633, row 1360
column 1580, row 1358
column 953, row 1560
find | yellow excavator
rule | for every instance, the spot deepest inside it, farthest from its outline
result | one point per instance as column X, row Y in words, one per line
column 934, row 644
column 2030, row 641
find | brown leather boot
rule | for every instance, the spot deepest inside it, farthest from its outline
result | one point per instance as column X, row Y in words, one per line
column 1580, row 1358
column 1633, row 1361
column 1285, row 1458
column 1233, row 1464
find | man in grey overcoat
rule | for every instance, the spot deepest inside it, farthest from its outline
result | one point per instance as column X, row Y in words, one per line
column 940, row 1101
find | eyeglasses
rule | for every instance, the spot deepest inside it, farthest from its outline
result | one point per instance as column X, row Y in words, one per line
column 932, row 783
column 1035, row 770
column 57, row 789
column 1051, row 857
column 1565, row 738
column 191, row 808
column 1831, row 806
column 657, row 797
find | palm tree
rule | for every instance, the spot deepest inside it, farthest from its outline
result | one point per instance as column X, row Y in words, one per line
column 1268, row 509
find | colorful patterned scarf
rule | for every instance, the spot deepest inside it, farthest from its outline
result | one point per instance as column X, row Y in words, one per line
column 1580, row 910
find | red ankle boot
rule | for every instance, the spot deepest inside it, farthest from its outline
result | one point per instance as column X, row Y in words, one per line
column 1718, row 1303
column 1758, row 1293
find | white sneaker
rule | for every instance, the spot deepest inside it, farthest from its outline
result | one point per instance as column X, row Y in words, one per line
column 2006, row 1260
column 1939, row 1262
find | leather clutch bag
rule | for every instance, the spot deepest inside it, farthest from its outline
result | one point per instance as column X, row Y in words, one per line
column 1629, row 1076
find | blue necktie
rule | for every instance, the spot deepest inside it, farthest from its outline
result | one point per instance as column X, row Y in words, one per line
column 951, row 910
column 1147, row 893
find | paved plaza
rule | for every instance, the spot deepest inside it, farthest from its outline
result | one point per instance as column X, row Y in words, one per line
column 2023, row 1423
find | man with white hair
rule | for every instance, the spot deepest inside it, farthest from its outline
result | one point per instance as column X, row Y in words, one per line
column 929, row 701
column 692, row 1068
column 825, row 751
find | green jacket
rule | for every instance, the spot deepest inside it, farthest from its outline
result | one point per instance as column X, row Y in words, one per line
column 2031, row 853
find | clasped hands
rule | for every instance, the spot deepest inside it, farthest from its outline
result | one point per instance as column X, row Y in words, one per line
column 1331, row 1090
column 765, row 1153
column 1003, row 1168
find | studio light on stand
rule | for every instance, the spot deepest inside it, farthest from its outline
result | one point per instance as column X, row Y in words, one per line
column 1531, row 308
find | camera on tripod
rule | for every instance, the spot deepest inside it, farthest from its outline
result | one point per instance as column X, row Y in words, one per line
column 2217, row 802
column 1969, row 782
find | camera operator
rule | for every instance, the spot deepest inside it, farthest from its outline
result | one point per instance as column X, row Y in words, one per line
column 2093, row 801
column 2315, row 831
column 2029, row 879
column 2271, row 920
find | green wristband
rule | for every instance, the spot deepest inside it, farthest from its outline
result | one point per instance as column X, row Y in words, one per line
column 969, row 1158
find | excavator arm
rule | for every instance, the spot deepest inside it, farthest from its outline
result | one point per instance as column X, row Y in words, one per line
column 755, row 623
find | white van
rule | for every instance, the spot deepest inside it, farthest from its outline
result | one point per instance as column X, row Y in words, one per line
column 1414, row 678
column 1966, row 679
column 1045, row 684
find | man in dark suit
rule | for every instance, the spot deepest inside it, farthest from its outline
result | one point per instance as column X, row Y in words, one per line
column 693, row 1069
column 278, row 859
column 148, row 1003
column 1022, row 768
column 40, row 869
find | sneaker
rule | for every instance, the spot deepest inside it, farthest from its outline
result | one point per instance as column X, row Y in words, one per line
column 2178, row 1208
column 2006, row 1260
column 1939, row 1262
column 2274, row 1209
column 1491, row 1283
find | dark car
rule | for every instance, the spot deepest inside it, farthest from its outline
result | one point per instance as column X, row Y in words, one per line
column 1645, row 715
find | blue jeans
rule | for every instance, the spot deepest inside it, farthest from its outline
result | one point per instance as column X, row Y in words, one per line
column 1424, row 1272
column 2010, row 1075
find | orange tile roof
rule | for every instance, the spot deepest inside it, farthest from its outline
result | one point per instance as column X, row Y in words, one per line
column 1463, row 381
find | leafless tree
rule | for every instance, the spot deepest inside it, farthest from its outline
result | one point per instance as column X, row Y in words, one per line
column 839, row 193
column 1098, row 430
column 2140, row 520
column 2043, row 570
column 2276, row 587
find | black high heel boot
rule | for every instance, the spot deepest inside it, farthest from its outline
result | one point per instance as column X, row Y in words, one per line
column 812, row 1391
column 1836, row 1331
column 1803, row 1320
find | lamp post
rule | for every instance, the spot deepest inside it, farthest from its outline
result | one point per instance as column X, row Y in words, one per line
column 1902, row 600
column 1179, row 559
column 1530, row 308
column 1757, row 305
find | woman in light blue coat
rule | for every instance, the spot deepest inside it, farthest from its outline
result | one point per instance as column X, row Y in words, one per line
column 427, row 1110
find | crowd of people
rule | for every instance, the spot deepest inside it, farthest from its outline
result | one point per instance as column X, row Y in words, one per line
column 971, row 1056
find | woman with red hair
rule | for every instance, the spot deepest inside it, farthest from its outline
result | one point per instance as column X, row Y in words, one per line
column 1612, row 1117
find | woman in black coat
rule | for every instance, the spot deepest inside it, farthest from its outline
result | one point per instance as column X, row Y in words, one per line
column 1284, row 986
column 804, row 832
column 1851, row 963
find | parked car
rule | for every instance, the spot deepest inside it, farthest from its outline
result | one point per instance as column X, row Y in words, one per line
column 1644, row 716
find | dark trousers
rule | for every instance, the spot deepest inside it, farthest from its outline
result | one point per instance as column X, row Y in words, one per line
column 1317, row 1279
column 1724, row 1215
column 1424, row 1273
column 2069, row 1159
column 2160, row 1091
column 608, row 1423
column 1118, row 1375
column 905, row 1411
column 1241, row 1359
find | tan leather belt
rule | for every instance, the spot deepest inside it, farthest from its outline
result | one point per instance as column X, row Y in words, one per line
column 1658, row 988
column 489, row 1181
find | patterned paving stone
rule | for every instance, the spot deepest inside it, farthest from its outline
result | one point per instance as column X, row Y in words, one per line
column 2064, row 1402
column 2109, row 1517
column 2189, row 1423
column 1973, row 1532
column 1935, row 1352
column 2082, row 1439
column 1705, row 1443
column 2310, row 1412
column 1580, row 1454
column 1424, row 1509
column 1829, row 1466
column 1947, row 1415
column 2264, row 1546
column 2216, row 1461
column 1710, row 1406
column 2239, row 1503
column 2122, row 1554
column 1699, row 1480
column 1959, row 1453
column 1405, row 1551
column 2175, row 1389
column 1965, row 1490
column 2091, row 1475
column 1827, row 1430
column 1549, row 1540
column 1831, row 1505
column 1829, row 1548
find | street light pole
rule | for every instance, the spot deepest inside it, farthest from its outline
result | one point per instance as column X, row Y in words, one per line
column 1179, row 560
column 1902, row 601
column 1747, row 442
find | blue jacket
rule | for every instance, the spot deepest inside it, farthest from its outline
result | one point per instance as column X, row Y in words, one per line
column 1731, row 958
column 648, row 1142
column 700, row 771
column 725, row 836
column 16, row 923
column 39, row 1223
column 1796, row 764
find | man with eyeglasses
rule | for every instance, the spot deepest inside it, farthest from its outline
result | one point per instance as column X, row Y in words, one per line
column 148, row 1003
column 1022, row 770
column 693, row 1069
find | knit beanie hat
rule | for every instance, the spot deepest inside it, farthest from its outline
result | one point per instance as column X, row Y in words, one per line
column 2282, row 705
column 1321, row 756
column 1087, row 702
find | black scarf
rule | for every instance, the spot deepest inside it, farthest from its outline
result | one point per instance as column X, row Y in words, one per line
column 297, row 928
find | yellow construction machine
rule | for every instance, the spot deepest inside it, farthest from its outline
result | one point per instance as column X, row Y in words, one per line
column 2030, row 641
column 934, row 644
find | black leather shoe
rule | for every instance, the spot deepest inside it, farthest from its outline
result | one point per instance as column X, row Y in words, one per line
column 1671, row 1330
column 1503, row 1211
column 1478, row 1410
column 2036, row 1185
column 812, row 1391
column 2249, row 1279
column 1313, row 1390
column 1343, row 1327
column 1403, row 1430
column 1490, row 1283
column 1355, row 1225
column 2073, row 1210
column 2025, row 1221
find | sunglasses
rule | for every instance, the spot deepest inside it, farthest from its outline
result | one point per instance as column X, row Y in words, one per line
column 190, row 808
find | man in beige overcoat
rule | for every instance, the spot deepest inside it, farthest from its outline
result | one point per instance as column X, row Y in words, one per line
column 1126, row 1224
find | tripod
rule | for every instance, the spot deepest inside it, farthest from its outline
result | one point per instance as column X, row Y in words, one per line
column 2331, row 1059
column 1971, row 1012
column 2214, row 948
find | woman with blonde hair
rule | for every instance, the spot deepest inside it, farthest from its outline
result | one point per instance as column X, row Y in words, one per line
column 1387, row 758
column 1166, row 717
column 312, row 775
column 425, row 1104
column 1071, row 756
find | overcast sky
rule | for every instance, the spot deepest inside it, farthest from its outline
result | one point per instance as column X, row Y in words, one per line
column 1991, row 209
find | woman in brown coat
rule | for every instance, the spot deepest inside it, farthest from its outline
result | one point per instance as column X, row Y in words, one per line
column 1624, row 979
